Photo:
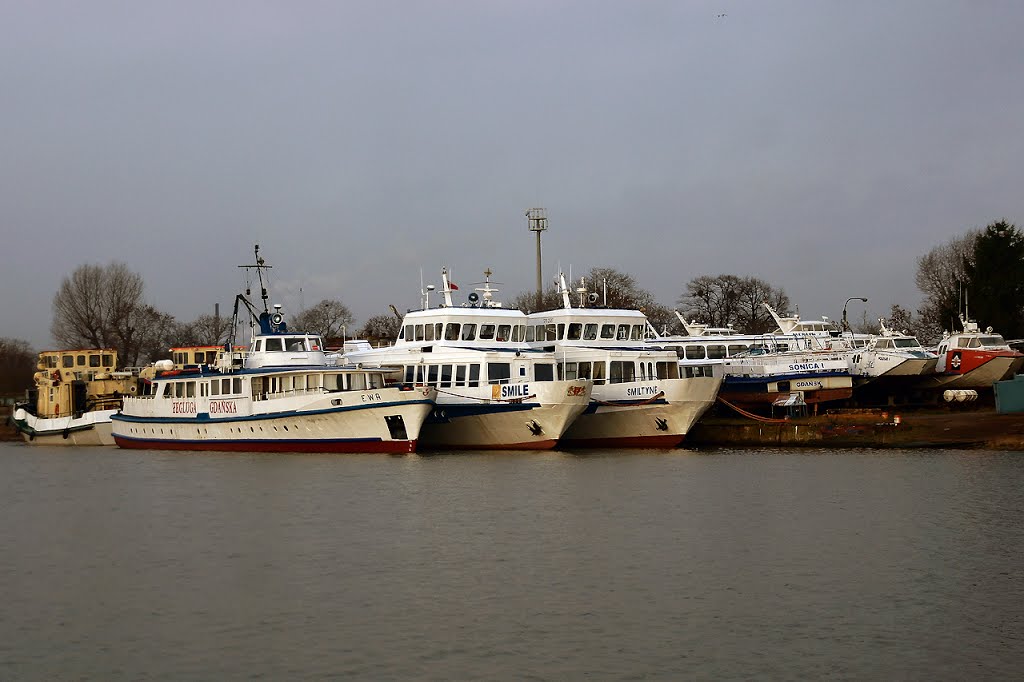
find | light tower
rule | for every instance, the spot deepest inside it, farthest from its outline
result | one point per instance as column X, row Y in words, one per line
column 538, row 222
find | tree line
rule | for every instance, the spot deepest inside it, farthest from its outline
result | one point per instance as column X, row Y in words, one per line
column 980, row 273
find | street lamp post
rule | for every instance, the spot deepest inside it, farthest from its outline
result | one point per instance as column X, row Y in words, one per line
column 846, row 325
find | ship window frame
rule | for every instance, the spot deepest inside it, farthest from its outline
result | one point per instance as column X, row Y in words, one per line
column 452, row 331
column 544, row 371
column 499, row 372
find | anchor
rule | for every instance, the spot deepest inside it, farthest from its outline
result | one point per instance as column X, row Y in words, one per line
column 534, row 427
column 662, row 424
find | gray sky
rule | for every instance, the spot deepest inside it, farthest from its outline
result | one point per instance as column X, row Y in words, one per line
column 821, row 146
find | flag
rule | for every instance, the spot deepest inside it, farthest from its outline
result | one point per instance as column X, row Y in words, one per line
column 453, row 285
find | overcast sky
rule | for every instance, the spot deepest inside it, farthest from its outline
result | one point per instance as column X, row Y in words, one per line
column 821, row 146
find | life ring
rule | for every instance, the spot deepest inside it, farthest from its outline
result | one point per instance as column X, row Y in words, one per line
column 56, row 375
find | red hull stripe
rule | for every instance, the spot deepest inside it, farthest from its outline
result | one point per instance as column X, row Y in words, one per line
column 531, row 445
column 334, row 446
column 669, row 441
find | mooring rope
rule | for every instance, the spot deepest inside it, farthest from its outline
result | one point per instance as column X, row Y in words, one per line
column 750, row 415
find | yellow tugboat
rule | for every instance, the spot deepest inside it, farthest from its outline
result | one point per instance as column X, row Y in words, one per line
column 75, row 394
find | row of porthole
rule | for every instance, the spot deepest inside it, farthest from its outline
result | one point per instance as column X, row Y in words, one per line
column 205, row 432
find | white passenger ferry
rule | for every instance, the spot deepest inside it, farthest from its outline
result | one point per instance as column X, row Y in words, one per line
column 493, row 390
column 639, row 398
column 283, row 396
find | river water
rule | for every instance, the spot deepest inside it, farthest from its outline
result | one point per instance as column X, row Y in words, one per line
column 710, row 564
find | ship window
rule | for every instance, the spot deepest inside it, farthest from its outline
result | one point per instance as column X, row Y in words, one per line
column 451, row 332
column 992, row 341
column 419, row 332
column 168, row 390
column 313, row 381
column 567, row 370
column 419, row 374
column 504, row 332
column 274, row 345
column 179, row 389
column 410, row 371
column 474, row 375
column 204, row 389
column 375, row 380
column 428, row 330
column 446, row 376
column 716, row 352
column 432, row 375
column 590, row 332
column 668, row 370
column 236, row 385
column 295, row 344
column 599, row 372
column 907, row 343
column 81, row 361
column 518, row 332
column 550, row 332
column 738, row 348
column 215, row 387
column 561, row 332
column 460, row 375
column 530, row 334
column 357, row 382
column 498, row 372
column 623, row 333
column 621, row 372
column 487, row 331
column 300, row 382
column 94, row 361
column 544, row 372
column 405, row 332
column 637, row 332
column 695, row 353
column 468, row 332
column 68, row 360
column 190, row 389
column 575, row 331
column 438, row 329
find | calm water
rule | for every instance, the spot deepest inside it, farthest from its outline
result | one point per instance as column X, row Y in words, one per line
column 637, row 565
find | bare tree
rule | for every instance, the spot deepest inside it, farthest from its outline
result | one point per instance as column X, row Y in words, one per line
column 941, row 274
column 102, row 307
column 17, row 365
column 205, row 330
column 327, row 318
column 730, row 300
column 154, row 333
column 527, row 301
column 380, row 328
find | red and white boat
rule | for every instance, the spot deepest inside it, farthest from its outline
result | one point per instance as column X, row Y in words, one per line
column 973, row 359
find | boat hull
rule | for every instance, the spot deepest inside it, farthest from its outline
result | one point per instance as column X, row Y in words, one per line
column 760, row 391
column 392, row 426
column 616, row 418
column 979, row 370
column 90, row 428
column 464, row 421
